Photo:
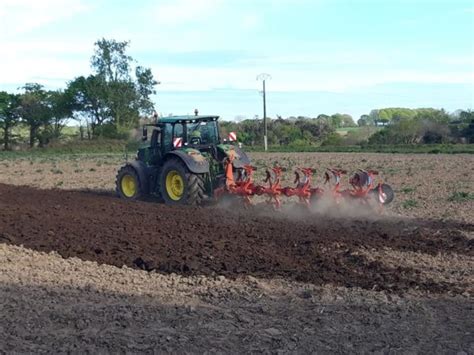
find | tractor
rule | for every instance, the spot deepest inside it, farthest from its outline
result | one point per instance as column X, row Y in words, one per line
column 185, row 161
column 182, row 162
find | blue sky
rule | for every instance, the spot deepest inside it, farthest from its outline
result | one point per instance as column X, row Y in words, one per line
column 324, row 56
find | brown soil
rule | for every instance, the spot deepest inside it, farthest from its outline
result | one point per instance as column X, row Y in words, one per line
column 414, row 276
column 210, row 240
column 54, row 305
column 424, row 184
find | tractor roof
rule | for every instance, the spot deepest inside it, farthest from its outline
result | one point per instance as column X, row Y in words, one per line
column 187, row 119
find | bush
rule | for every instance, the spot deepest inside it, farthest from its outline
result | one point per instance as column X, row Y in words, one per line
column 333, row 139
column 110, row 131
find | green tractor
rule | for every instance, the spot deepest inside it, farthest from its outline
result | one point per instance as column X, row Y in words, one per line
column 183, row 161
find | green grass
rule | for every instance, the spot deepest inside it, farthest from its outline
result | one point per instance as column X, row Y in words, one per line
column 407, row 190
column 105, row 149
column 409, row 204
column 114, row 146
column 461, row 196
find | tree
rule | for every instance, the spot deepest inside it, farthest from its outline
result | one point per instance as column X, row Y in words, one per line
column 61, row 104
column 34, row 109
column 9, row 117
column 337, row 120
column 44, row 112
column 110, row 62
column 363, row 120
column 425, row 125
column 145, row 84
column 112, row 94
column 433, row 125
column 466, row 116
column 90, row 100
column 373, row 117
column 348, row 121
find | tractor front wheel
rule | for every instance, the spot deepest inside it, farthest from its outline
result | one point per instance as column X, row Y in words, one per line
column 180, row 186
column 127, row 184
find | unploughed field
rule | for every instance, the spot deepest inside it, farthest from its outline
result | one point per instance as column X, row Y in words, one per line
column 83, row 270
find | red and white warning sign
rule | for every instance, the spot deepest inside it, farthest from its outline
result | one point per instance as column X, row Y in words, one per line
column 177, row 142
column 232, row 136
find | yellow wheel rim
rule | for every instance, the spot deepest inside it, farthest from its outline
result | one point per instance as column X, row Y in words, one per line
column 129, row 185
column 174, row 185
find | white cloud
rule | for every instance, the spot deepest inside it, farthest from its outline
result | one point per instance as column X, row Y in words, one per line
column 29, row 57
column 21, row 16
column 46, row 70
column 39, row 47
column 296, row 65
column 294, row 80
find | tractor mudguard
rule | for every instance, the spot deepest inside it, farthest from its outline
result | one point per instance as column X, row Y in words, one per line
column 241, row 159
column 142, row 171
column 193, row 160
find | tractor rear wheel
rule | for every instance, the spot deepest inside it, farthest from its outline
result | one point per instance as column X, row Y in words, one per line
column 178, row 185
column 127, row 184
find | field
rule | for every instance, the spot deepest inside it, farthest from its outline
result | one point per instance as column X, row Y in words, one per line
column 83, row 270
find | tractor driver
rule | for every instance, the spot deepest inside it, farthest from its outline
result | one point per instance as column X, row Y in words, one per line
column 195, row 137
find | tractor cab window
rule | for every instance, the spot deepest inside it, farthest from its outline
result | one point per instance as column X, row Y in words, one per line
column 202, row 133
column 167, row 137
column 178, row 130
column 173, row 136
column 156, row 137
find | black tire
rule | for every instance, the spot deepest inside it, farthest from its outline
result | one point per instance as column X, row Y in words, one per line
column 194, row 186
column 128, row 171
column 387, row 191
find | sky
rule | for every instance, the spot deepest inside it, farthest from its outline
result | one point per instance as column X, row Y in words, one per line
column 324, row 56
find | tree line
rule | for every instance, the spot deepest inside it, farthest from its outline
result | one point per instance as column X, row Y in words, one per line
column 424, row 125
column 108, row 102
column 111, row 101
column 293, row 131
column 382, row 126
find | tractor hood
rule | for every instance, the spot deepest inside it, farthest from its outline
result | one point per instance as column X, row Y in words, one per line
column 240, row 158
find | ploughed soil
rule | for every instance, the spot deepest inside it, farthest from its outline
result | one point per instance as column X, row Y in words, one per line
column 212, row 240
column 54, row 305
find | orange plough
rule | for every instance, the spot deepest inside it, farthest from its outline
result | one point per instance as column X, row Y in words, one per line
column 364, row 186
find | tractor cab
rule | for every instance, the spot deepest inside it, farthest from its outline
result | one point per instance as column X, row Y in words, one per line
column 177, row 132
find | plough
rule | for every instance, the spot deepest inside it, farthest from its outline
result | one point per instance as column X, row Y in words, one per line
column 364, row 187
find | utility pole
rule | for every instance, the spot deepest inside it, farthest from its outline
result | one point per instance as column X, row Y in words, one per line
column 263, row 77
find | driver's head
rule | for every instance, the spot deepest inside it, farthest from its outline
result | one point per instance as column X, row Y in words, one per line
column 195, row 134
